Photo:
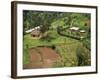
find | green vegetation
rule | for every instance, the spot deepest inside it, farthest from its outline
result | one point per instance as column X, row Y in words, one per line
column 72, row 51
column 83, row 56
column 26, row 53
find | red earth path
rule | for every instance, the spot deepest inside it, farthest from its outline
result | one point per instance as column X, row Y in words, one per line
column 42, row 57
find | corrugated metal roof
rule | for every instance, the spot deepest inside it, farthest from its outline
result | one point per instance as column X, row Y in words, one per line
column 30, row 30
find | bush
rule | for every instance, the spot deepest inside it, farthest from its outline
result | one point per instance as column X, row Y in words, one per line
column 83, row 56
column 58, row 63
column 26, row 54
column 87, row 43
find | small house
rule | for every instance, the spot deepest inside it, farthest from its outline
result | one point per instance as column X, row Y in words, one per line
column 82, row 31
column 35, row 33
column 74, row 29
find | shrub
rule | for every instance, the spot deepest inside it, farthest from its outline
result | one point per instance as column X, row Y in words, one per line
column 26, row 54
column 83, row 56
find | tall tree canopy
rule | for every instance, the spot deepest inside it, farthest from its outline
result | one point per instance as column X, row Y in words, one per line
column 32, row 19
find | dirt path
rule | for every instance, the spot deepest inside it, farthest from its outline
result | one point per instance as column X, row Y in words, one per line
column 42, row 57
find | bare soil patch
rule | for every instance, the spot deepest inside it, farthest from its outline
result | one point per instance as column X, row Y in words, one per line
column 42, row 57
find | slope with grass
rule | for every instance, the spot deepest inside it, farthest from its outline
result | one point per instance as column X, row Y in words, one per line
column 66, row 47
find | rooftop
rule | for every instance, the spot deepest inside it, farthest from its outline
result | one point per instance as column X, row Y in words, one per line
column 74, row 28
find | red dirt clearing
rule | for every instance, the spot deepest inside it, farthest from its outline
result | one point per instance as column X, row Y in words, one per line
column 42, row 57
